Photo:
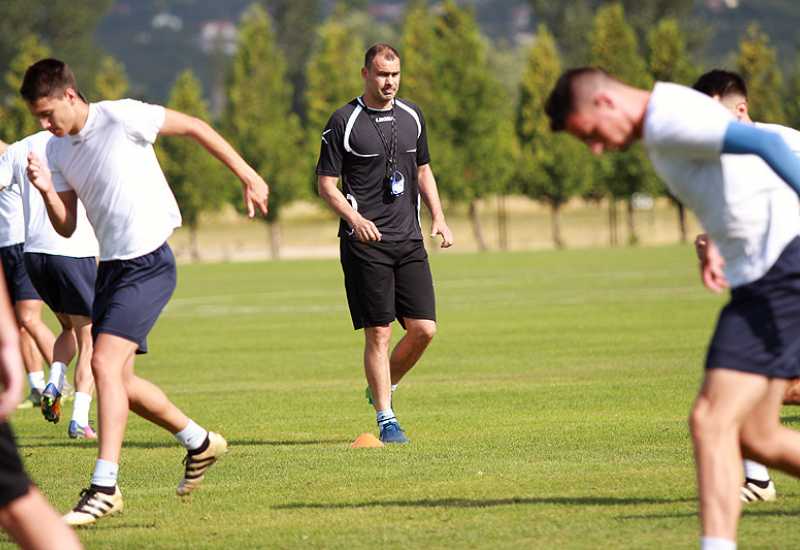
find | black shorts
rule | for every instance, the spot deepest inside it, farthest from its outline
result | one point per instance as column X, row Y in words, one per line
column 387, row 281
column 130, row 295
column 14, row 482
column 758, row 331
column 66, row 284
column 19, row 284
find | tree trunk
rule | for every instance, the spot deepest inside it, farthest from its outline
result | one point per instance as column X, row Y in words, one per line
column 612, row 221
column 194, row 249
column 274, row 239
column 681, row 220
column 502, row 222
column 476, row 225
column 633, row 238
column 555, row 224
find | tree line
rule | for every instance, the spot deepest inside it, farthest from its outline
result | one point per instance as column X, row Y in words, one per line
column 488, row 137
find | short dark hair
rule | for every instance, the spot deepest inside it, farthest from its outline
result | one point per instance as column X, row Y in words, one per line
column 47, row 78
column 377, row 49
column 560, row 102
column 722, row 83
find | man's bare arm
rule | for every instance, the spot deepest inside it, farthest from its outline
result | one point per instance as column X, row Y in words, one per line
column 254, row 188
column 430, row 194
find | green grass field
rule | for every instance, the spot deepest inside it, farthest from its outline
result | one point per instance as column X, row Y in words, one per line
column 548, row 413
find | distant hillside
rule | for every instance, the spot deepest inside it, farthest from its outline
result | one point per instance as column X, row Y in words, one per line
column 156, row 39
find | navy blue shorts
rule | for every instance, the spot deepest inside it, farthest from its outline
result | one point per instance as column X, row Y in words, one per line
column 19, row 284
column 758, row 331
column 65, row 284
column 130, row 295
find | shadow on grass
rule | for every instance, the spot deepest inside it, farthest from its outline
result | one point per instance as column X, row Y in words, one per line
column 485, row 503
column 168, row 444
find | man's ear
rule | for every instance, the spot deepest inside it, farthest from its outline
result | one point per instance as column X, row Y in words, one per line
column 602, row 98
column 741, row 110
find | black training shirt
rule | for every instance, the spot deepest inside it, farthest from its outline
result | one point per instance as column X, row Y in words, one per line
column 353, row 149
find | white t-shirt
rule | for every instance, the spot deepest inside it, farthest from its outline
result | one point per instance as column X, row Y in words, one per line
column 747, row 209
column 12, row 223
column 112, row 167
column 39, row 233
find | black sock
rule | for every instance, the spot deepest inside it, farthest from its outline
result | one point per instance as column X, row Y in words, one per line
column 101, row 489
column 201, row 448
column 758, row 483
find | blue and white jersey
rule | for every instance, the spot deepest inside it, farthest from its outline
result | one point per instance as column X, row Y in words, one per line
column 39, row 234
column 747, row 209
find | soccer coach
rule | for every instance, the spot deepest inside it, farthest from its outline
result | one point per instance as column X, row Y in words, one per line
column 378, row 145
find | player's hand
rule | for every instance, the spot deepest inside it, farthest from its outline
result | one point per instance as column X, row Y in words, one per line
column 365, row 231
column 711, row 265
column 39, row 174
column 439, row 227
column 256, row 195
column 11, row 369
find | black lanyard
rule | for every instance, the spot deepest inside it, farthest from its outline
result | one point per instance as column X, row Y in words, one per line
column 389, row 144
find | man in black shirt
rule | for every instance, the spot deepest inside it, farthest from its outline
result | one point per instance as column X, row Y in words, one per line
column 378, row 145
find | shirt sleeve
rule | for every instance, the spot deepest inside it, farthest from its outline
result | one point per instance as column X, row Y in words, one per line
column 60, row 183
column 331, row 151
column 746, row 139
column 685, row 123
column 7, row 167
column 423, row 154
column 143, row 121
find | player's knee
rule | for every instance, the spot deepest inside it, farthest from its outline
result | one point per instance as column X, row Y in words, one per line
column 379, row 336
column 27, row 319
column 424, row 332
column 704, row 421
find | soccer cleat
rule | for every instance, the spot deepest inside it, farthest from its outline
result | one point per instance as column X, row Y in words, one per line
column 391, row 432
column 197, row 464
column 76, row 431
column 33, row 401
column 92, row 506
column 751, row 492
column 51, row 404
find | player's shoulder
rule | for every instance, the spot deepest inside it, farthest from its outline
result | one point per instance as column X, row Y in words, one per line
column 401, row 101
column 35, row 142
column 673, row 109
column 341, row 115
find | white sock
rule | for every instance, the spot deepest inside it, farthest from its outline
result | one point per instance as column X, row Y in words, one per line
column 394, row 387
column 58, row 371
column 714, row 543
column 36, row 380
column 756, row 471
column 192, row 436
column 80, row 409
column 105, row 473
column 384, row 417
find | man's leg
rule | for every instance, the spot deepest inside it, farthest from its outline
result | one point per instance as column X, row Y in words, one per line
column 203, row 447
column 32, row 360
column 377, row 370
column 84, row 381
column 725, row 400
column 29, row 317
column 32, row 523
column 376, row 365
column 109, row 359
column 419, row 333
column 764, row 439
column 64, row 351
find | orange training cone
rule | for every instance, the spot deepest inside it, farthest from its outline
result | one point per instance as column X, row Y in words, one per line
column 366, row 441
